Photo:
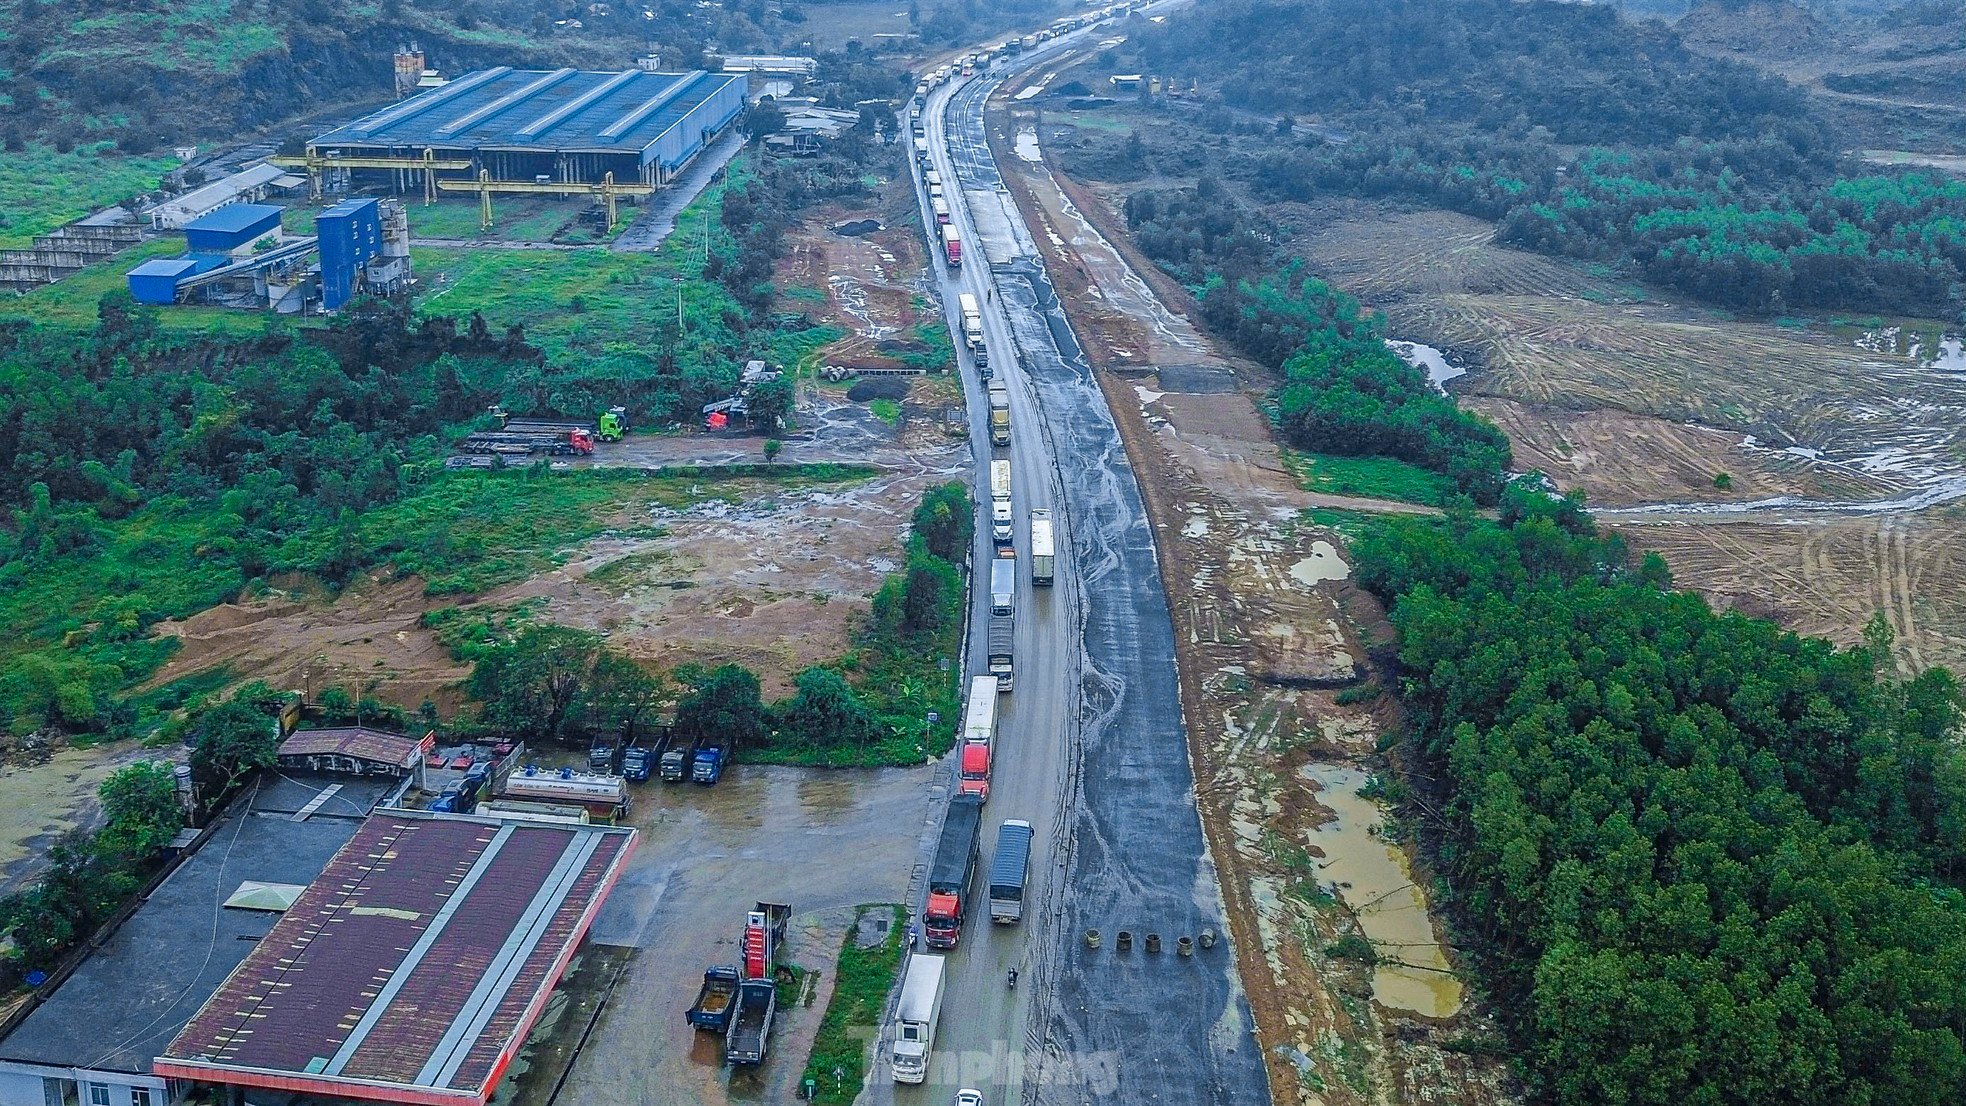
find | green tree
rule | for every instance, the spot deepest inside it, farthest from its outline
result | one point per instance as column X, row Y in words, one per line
column 140, row 809
column 723, row 704
column 770, row 404
column 540, row 681
column 946, row 522
column 625, row 694
column 825, row 712
column 229, row 741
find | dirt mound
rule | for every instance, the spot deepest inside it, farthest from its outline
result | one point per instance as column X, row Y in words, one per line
column 880, row 387
column 857, row 227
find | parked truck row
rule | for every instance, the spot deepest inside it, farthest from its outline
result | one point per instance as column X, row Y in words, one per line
column 740, row 1001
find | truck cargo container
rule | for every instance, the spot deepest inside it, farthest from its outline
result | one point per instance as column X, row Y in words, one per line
column 952, row 247
column 972, row 320
column 1003, row 584
column 941, row 208
column 999, row 415
column 998, row 643
column 915, row 1017
column 980, row 712
column 1042, row 547
column 952, row 873
column 1008, row 869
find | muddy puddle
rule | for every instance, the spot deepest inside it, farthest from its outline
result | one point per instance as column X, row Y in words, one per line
column 1374, row 878
column 1942, row 351
column 1027, row 146
column 1323, row 564
column 1439, row 369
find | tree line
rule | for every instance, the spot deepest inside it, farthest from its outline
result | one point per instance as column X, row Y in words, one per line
column 1344, row 392
column 1701, row 859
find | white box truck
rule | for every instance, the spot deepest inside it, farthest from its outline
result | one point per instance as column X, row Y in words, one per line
column 972, row 321
column 1000, row 502
column 1042, row 550
column 1003, row 584
column 915, row 1016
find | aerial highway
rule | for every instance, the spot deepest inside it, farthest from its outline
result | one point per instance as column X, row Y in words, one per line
column 1091, row 746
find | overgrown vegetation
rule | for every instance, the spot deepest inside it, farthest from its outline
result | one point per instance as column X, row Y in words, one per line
column 1582, row 134
column 1705, row 860
column 852, row 1022
column 42, row 188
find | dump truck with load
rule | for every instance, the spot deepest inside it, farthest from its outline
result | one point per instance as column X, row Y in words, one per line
column 564, row 443
column 1043, row 548
column 1008, row 869
column 714, row 999
column 952, row 872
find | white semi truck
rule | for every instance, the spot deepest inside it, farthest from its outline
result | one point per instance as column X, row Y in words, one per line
column 1000, row 502
column 915, row 1017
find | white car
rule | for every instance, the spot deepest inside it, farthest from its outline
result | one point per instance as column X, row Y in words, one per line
column 968, row 1097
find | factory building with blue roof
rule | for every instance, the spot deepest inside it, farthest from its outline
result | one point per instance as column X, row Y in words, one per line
column 567, row 125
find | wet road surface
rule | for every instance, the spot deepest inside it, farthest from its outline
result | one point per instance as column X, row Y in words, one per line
column 1093, row 751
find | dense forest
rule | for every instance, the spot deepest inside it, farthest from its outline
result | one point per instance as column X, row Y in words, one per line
column 1344, row 392
column 1582, row 134
column 1705, row 860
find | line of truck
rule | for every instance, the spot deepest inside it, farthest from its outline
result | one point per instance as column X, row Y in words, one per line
column 665, row 755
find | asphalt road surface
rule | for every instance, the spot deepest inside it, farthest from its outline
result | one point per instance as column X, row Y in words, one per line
column 1091, row 747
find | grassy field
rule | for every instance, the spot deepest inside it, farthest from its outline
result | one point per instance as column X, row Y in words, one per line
column 41, row 189
column 853, row 1014
column 1372, row 477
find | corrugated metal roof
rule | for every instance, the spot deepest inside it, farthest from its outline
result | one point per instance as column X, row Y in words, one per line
column 233, row 218
column 413, row 967
column 353, row 741
column 565, row 109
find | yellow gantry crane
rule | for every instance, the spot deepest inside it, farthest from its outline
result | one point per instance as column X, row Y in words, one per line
column 317, row 165
column 484, row 186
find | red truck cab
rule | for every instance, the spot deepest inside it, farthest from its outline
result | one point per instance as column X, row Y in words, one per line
column 976, row 771
column 942, row 920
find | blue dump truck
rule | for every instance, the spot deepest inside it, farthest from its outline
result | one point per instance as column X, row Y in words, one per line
column 707, row 767
column 715, row 1000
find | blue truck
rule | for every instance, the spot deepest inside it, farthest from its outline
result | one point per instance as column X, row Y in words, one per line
column 714, row 1001
column 707, row 767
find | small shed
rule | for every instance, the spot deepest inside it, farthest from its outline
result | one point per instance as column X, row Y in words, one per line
column 354, row 751
column 155, row 281
column 232, row 227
